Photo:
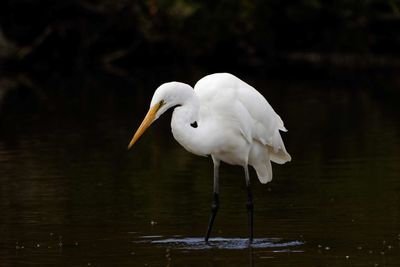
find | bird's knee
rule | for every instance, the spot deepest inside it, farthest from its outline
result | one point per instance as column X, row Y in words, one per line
column 214, row 206
column 215, row 203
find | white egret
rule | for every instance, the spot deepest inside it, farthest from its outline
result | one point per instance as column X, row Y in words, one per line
column 226, row 118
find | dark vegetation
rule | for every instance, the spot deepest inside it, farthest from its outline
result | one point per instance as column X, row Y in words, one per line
column 52, row 48
column 120, row 35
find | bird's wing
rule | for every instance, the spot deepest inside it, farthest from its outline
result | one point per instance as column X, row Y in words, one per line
column 223, row 105
column 231, row 97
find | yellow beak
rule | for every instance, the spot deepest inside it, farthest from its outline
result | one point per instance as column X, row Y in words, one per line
column 147, row 121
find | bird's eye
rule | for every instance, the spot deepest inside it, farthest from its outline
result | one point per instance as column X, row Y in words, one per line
column 194, row 124
column 162, row 103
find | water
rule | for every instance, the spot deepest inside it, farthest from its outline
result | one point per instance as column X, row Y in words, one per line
column 71, row 194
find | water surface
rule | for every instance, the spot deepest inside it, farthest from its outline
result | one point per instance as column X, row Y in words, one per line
column 71, row 194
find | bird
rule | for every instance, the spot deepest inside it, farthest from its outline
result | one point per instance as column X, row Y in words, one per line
column 227, row 119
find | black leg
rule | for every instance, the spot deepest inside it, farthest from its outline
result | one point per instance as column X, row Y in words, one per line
column 250, row 208
column 249, row 204
column 215, row 201
column 214, row 209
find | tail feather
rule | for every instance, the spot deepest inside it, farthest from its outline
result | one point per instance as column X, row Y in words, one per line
column 280, row 157
column 260, row 158
column 264, row 170
column 277, row 150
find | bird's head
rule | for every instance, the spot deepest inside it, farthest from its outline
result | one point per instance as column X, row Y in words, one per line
column 166, row 96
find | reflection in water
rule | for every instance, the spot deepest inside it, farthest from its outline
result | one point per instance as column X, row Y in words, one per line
column 66, row 177
column 275, row 244
column 269, row 245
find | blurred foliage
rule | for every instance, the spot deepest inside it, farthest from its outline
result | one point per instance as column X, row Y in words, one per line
column 138, row 33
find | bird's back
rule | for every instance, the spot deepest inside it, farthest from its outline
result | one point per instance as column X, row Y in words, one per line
column 226, row 95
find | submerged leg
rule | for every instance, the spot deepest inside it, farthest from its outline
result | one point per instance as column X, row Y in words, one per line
column 249, row 204
column 215, row 201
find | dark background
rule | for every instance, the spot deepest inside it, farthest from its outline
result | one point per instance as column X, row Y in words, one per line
column 52, row 48
column 119, row 37
column 76, row 79
column 89, row 34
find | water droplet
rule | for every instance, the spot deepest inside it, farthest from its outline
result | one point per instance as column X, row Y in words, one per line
column 133, row 253
column 347, row 257
column 38, row 245
column 153, row 222
column 327, row 248
column 76, row 243
column 359, row 248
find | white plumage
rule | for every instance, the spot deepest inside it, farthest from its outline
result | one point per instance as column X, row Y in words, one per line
column 235, row 122
column 226, row 118
column 241, row 109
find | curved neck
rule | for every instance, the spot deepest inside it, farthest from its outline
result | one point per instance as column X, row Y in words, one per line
column 185, row 124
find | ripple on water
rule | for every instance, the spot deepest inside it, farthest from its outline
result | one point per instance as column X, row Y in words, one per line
column 276, row 244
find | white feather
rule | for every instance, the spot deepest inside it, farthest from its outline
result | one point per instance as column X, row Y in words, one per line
column 235, row 123
column 235, row 100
